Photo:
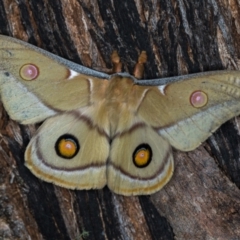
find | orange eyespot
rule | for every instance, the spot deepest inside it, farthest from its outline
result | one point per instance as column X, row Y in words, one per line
column 28, row 72
column 67, row 146
column 198, row 99
column 142, row 156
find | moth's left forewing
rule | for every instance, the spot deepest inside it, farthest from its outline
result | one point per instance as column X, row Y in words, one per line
column 35, row 84
column 186, row 112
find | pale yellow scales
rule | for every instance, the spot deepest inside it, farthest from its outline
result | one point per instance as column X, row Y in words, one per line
column 109, row 130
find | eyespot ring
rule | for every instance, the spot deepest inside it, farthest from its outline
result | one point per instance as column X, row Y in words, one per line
column 142, row 155
column 198, row 99
column 67, row 146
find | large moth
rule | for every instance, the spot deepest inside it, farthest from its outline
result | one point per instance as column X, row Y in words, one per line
column 109, row 130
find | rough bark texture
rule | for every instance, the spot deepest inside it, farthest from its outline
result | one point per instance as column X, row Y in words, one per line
column 202, row 201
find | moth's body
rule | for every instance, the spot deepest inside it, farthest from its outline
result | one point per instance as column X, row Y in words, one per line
column 118, row 104
column 108, row 130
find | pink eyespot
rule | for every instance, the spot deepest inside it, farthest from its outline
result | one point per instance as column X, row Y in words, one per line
column 29, row 72
column 198, row 99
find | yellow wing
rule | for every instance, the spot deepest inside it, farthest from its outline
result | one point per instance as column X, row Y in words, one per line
column 35, row 84
column 70, row 152
column 140, row 162
column 186, row 112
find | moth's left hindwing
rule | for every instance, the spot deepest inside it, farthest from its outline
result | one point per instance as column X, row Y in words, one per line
column 69, row 151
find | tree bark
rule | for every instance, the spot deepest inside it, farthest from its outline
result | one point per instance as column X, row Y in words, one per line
column 202, row 200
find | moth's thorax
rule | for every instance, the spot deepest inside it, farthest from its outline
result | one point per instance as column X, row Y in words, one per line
column 116, row 102
column 123, row 90
column 122, row 100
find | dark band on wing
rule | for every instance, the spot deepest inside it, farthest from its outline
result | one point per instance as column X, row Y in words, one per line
column 90, row 124
column 130, row 130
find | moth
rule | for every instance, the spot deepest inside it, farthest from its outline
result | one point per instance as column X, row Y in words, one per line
column 112, row 130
